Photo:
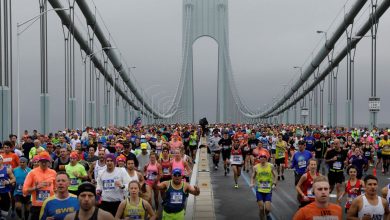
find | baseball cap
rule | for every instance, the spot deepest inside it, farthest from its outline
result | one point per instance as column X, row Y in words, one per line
column 23, row 159
column 144, row 146
column 176, row 171
column 142, row 136
column 44, row 156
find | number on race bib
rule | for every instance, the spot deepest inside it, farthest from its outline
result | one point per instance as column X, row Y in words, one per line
column 42, row 195
column 176, row 198
column 337, row 165
column 302, row 164
column 108, row 184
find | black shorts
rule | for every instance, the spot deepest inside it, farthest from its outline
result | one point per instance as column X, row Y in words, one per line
column 23, row 199
column 279, row 161
column 5, row 201
column 297, row 176
column 273, row 151
column 335, row 177
column 225, row 155
column 245, row 153
column 193, row 147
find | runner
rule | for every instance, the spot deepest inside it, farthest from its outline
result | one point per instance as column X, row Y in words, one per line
column 97, row 166
column 281, row 149
column 112, row 184
column 336, row 159
column 353, row 187
column 6, row 179
column 88, row 211
column 166, row 168
column 257, row 151
column 58, row 206
column 321, row 208
column 40, row 184
column 226, row 144
column 76, row 173
column 176, row 194
column 369, row 205
column 305, row 184
column 137, row 176
column 215, row 148
column 20, row 174
column 236, row 161
column 385, row 146
column 153, row 173
column 59, row 163
column 193, row 144
column 386, row 193
column 10, row 159
column 135, row 207
column 264, row 177
column 300, row 161
column 321, row 147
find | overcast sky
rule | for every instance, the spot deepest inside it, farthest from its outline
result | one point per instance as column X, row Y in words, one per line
column 267, row 38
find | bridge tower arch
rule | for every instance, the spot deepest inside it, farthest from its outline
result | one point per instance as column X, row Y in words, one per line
column 205, row 18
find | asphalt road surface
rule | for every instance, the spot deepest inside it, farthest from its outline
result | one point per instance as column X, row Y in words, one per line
column 231, row 203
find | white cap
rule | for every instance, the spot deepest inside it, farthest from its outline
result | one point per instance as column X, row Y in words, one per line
column 142, row 136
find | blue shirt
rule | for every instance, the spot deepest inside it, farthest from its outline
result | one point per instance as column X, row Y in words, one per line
column 4, row 177
column 309, row 143
column 20, row 175
column 300, row 161
column 59, row 208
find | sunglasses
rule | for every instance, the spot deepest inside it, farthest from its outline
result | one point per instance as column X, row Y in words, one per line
column 177, row 174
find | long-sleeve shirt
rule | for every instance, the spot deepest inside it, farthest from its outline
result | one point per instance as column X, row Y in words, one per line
column 39, row 176
column 106, row 184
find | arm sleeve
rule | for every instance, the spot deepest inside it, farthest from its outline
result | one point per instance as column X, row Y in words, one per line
column 98, row 181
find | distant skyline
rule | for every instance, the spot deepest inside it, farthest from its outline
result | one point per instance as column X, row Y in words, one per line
column 267, row 38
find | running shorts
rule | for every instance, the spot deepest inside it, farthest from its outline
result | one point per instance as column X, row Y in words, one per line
column 263, row 196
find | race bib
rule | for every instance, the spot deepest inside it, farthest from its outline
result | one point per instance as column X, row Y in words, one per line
column 108, row 185
column 176, row 198
column 225, row 147
column 337, row 165
column 19, row 187
column 42, row 195
column 151, row 176
column 281, row 154
column 246, row 148
column 309, row 192
column 166, row 170
column 302, row 164
column 253, row 146
column 237, row 159
column 351, row 197
column 2, row 184
column 265, row 185
column 73, row 181
column 367, row 153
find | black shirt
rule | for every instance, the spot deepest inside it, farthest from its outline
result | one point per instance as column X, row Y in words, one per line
column 224, row 143
column 320, row 148
column 337, row 165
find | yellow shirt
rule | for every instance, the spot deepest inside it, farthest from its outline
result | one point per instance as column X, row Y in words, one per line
column 385, row 145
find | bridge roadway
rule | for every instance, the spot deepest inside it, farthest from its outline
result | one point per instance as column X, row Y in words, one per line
column 231, row 203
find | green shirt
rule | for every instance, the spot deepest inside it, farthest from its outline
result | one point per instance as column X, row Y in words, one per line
column 74, row 181
column 33, row 152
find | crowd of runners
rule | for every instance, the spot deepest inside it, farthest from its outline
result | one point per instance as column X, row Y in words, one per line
column 125, row 173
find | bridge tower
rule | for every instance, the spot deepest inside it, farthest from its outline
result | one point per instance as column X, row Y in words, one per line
column 205, row 18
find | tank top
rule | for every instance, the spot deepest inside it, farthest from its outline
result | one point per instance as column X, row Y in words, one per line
column 165, row 165
column 307, row 186
column 134, row 211
column 151, row 172
column 179, row 165
column 93, row 217
column 98, row 168
column 174, row 201
column 4, row 177
column 57, row 169
column 264, row 178
column 351, row 195
column 159, row 147
column 376, row 211
column 236, row 157
column 367, row 152
column 134, row 177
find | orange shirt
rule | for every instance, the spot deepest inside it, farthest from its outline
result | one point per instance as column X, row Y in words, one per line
column 10, row 160
column 37, row 175
column 311, row 211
